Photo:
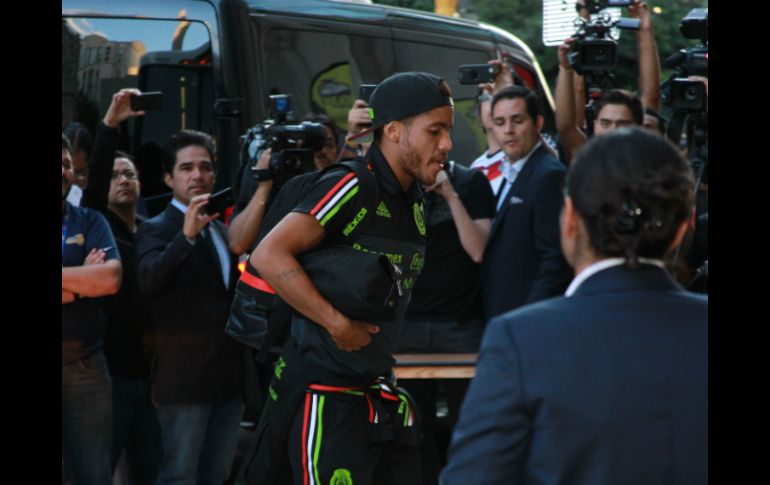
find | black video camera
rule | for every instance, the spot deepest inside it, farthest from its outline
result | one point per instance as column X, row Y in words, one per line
column 686, row 96
column 292, row 146
column 594, row 49
column 679, row 93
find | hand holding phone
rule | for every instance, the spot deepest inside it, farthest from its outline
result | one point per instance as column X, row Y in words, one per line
column 220, row 201
column 365, row 92
column 150, row 101
column 478, row 73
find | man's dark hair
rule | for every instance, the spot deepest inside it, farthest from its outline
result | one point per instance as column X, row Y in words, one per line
column 632, row 190
column 182, row 139
column 122, row 154
column 513, row 92
column 80, row 137
column 662, row 122
column 626, row 98
column 65, row 143
column 324, row 120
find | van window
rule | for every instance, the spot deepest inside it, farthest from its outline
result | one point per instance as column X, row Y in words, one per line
column 322, row 71
column 100, row 56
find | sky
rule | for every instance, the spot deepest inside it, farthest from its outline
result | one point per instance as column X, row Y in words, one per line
column 156, row 34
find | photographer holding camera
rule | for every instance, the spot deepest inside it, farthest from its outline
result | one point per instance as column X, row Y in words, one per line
column 619, row 107
column 256, row 188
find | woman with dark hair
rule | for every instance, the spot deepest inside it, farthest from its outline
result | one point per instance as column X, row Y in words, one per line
column 610, row 383
column 629, row 197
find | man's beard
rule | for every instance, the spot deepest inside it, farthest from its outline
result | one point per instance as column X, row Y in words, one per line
column 412, row 163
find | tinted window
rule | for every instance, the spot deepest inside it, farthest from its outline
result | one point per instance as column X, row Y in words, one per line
column 322, row 71
column 101, row 56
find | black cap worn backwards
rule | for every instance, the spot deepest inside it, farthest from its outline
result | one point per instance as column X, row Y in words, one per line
column 404, row 95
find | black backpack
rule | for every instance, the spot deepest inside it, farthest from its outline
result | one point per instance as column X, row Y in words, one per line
column 258, row 317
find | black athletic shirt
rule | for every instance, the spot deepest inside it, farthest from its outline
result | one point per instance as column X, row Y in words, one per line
column 398, row 231
column 448, row 288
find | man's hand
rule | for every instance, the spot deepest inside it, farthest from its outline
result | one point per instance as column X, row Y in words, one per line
column 264, row 159
column 443, row 186
column 195, row 219
column 503, row 78
column 358, row 117
column 564, row 49
column 96, row 256
column 640, row 10
column 120, row 108
column 263, row 163
column 351, row 335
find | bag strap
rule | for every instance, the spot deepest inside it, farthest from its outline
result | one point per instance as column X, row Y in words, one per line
column 369, row 192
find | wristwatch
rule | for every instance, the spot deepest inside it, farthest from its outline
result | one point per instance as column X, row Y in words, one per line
column 261, row 174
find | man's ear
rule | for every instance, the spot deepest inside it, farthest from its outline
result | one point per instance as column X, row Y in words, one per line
column 168, row 179
column 392, row 131
column 539, row 122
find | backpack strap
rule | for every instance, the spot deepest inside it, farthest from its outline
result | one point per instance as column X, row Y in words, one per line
column 369, row 192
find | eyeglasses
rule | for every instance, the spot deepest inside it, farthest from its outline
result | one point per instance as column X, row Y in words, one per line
column 129, row 174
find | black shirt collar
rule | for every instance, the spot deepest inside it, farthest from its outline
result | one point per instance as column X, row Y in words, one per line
column 387, row 179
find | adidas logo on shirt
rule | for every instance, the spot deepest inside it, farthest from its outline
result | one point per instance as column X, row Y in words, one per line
column 383, row 211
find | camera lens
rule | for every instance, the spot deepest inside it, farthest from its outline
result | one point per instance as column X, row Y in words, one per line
column 692, row 93
column 599, row 54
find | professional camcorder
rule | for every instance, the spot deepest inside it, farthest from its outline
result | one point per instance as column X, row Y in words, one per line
column 292, row 145
column 595, row 49
column 679, row 93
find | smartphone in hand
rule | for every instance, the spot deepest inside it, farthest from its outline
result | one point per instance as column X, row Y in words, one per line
column 478, row 73
column 150, row 101
column 365, row 91
column 220, row 201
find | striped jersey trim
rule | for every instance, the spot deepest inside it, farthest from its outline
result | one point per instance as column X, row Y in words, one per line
column 312, row 434
column 331, row 203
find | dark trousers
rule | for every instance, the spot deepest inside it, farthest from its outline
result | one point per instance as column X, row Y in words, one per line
column 86, row 412
column 199, row 441
column 135, row 430
column 329, row 442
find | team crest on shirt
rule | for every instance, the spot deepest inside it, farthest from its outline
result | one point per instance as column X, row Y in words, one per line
column 76, row 239
column 417, row 209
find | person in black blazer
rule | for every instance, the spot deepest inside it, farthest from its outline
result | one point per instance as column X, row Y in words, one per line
column 607, row 385
column 185, row 267
column 523, row 262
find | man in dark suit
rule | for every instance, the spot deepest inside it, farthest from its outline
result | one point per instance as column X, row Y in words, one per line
column 185, row 266
column 523, row 261
column 609, row 384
